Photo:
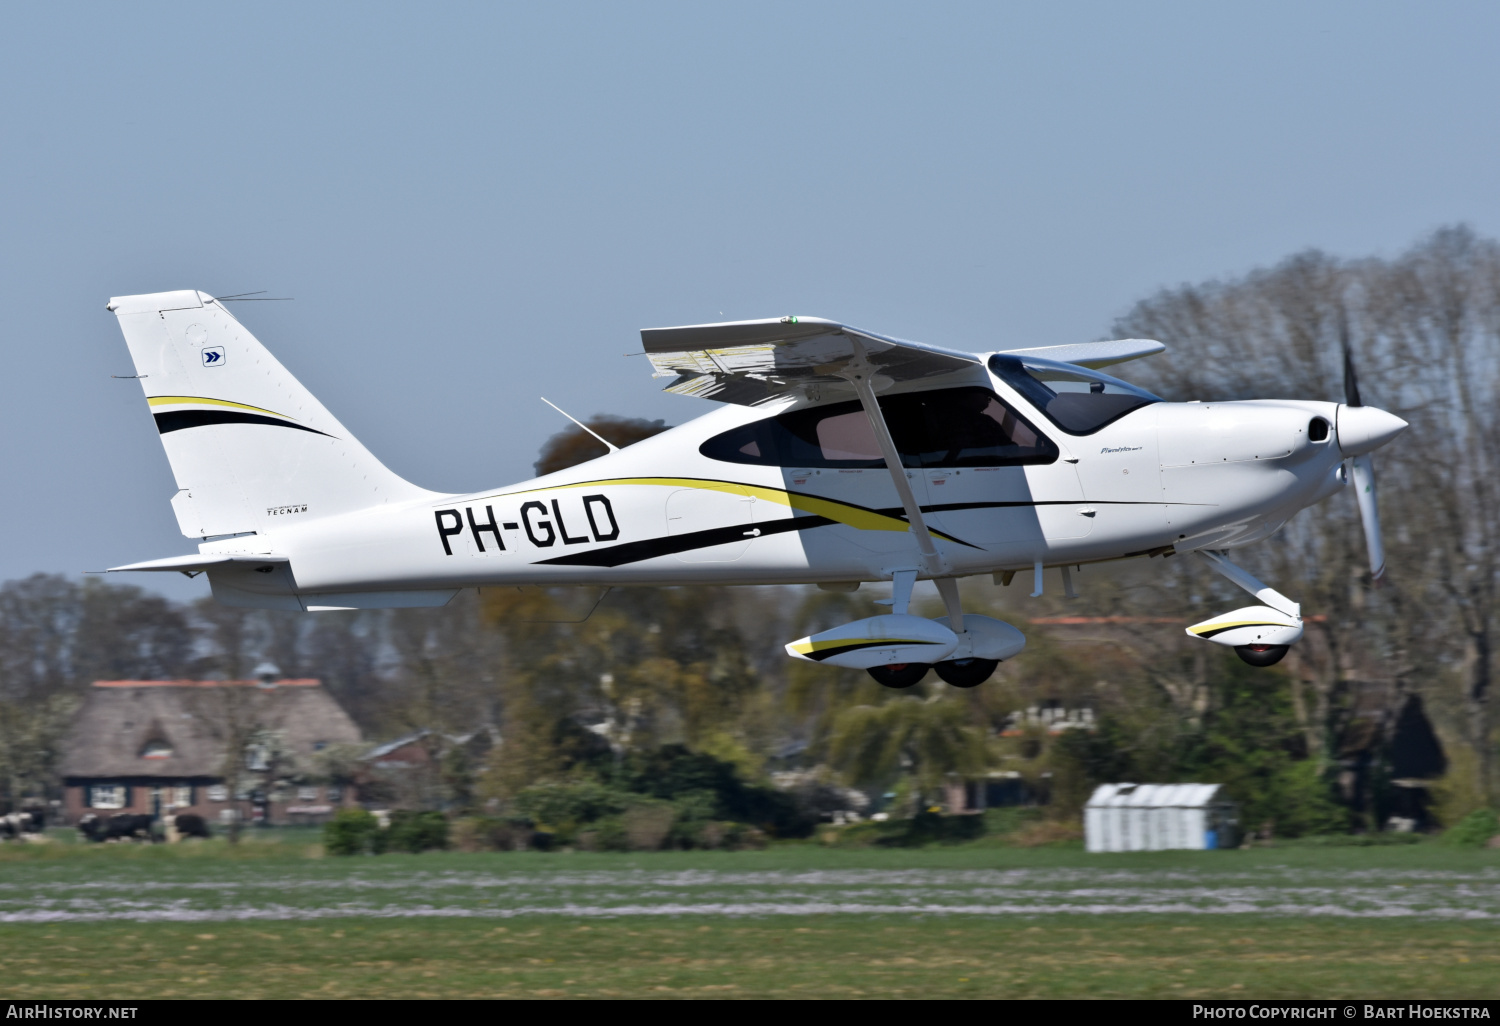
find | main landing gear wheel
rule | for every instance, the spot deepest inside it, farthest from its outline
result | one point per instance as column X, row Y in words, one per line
column 966, row 673
column 899, row 675
column 1255, row 655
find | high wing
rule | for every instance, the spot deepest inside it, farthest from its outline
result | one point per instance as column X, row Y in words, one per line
column 1095, row 354
column 750, row 362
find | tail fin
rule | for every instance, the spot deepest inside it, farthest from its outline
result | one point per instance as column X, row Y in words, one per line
column 250, row 448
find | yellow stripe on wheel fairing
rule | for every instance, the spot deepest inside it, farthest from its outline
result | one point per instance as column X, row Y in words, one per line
column 808, row 648
column 853, row 516
column 1204, row 628
column 198, row 400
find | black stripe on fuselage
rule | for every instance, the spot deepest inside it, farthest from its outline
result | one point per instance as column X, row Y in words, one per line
column 177, row 420
column 634, row 552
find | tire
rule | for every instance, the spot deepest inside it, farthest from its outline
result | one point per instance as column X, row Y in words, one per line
column 966, row 673
column 1262, row 655
column 899, row 675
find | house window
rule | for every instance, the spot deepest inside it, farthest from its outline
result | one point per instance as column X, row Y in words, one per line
column 218, row 793
column 244, row 793
column 307, row 794
column 107, row 796
column 156, row 750
column 181, row 796
column 335, row 794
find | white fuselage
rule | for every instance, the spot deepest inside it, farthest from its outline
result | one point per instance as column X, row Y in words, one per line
column 1189, row 475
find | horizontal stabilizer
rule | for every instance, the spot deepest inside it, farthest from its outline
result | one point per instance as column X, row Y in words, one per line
column 1095, row 354
column 197, row 563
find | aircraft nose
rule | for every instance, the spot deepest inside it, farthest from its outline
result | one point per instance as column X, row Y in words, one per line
column 1364, row 429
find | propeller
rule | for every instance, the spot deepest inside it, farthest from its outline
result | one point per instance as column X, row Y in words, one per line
column 1361, row 466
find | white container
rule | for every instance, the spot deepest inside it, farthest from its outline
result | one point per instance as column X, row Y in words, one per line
column 1157, row 817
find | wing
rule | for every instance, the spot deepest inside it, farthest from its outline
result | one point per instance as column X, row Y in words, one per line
column 1095, row 354
column 749, row 362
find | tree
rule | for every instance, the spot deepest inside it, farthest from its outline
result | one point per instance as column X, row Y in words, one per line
column 927, row 738
column 573, row 445
column 234, row 715
column 1425, row 331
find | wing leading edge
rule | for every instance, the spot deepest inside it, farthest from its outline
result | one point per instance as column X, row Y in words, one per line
column 750, row 362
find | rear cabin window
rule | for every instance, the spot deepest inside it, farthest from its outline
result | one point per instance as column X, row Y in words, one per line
column 950, row 427
column 1076, row 399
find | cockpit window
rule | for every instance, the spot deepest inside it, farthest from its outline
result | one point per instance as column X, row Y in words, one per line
column 949, row 427
column 1076, row 399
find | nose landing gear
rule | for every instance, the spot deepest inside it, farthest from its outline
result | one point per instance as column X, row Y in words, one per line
column 1261, row 655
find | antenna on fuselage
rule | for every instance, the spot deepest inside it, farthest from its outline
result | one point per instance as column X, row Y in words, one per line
column 611, row 446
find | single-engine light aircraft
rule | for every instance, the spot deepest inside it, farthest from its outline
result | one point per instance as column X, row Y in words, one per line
column 839, row 457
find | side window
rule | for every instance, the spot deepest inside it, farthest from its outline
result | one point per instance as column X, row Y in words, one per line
column 963, row 427
column 950, row 427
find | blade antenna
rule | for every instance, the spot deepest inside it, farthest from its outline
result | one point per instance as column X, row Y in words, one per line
column 611, row 446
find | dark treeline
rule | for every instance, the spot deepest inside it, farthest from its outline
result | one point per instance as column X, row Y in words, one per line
column 1383, row 710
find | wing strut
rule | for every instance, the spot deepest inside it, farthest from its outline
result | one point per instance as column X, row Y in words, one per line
column 1254, row 585
column 858, row 373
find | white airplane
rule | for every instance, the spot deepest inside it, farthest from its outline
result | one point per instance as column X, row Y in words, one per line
column 839, row 457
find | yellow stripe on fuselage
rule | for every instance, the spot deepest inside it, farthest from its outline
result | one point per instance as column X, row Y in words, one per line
column 853, row 516
column 198, row 400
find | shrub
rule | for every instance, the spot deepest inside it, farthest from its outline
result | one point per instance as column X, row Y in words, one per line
column 608, row 834
column 1305, row 805
column 647, row 826
column 417, row 831
column 674, row 772
column 491, row 833
column 353, row 832
column 571, row 804
column 923, row 828
column 1010, row 819
column 1474, row 830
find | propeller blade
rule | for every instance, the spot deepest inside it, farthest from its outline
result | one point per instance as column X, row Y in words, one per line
column 1363, row 468
column 1351, row 380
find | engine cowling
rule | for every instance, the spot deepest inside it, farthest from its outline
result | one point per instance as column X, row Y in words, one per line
column 891, row 639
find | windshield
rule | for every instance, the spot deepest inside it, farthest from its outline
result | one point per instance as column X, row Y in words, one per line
column 1076, row 399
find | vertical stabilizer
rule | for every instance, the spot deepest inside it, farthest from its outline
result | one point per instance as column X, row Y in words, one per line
column 251, row 449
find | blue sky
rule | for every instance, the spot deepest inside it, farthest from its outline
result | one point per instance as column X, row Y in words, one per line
column 475, row 204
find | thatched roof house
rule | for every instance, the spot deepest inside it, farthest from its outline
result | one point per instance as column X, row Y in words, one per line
column 143, row 745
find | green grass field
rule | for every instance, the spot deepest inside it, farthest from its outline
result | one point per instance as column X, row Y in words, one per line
column 269, row 920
